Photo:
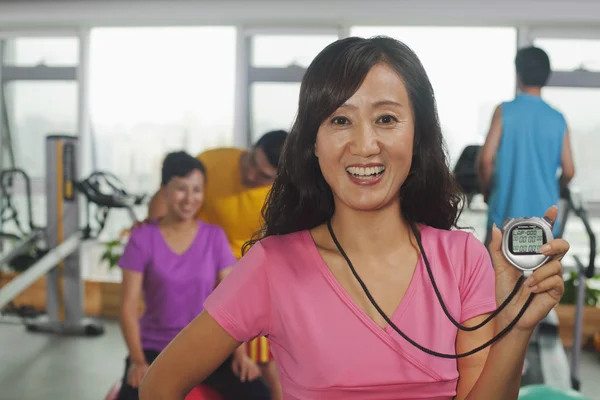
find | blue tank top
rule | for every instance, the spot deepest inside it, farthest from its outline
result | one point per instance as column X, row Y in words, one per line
column 525, row 178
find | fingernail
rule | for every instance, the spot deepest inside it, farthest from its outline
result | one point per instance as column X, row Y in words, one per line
column 529, row 281
column 544, row 248
column 534, row 288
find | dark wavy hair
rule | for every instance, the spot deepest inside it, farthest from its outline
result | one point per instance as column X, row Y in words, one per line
column 300, row 198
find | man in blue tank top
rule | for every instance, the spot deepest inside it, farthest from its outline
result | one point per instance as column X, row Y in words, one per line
column 526, row 146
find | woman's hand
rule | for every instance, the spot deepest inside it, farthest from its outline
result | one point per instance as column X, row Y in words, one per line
column 243, row 366
column 135, row 374
column 546, row 282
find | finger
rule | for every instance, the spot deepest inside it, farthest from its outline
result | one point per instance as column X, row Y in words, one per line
column 555, row 286
column 138, row 378
column 244, row 372
column 556, row 248
column 256, row 374
column 235, row 366
column 134, row 382
column 495, row 245
column 552, row 268
column 252, row 373
column 130, row 378
column 552, row 214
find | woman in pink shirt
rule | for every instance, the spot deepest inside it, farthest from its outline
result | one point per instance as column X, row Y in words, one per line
column 364, row 202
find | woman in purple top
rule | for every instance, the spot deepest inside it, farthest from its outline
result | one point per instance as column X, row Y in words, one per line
column 175, row 263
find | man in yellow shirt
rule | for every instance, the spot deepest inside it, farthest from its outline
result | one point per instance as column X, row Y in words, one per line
column 237, row 184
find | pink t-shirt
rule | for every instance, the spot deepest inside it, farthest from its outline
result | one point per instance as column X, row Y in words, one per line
column 326, row 347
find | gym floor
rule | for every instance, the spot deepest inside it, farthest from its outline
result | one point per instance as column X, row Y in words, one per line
column 38, row 366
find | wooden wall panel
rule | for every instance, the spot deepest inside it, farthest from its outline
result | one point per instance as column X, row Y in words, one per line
column 101, row 298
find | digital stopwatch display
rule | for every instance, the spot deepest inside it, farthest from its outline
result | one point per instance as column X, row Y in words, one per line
column 526, row 239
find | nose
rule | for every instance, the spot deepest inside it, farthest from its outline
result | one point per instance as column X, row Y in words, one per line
column 365, row 142
column 186, row 197
column 251, row 175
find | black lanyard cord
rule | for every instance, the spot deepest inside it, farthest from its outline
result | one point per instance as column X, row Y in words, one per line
column 424, row 349
column 439, row 296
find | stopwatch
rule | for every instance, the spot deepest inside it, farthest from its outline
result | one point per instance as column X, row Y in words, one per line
column 522, row 239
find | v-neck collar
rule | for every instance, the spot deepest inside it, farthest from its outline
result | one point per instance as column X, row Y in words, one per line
column 166, row 244
column 388, row 335
column 351, row 303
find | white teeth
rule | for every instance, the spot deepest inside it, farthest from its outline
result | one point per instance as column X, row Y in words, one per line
column 360, row 171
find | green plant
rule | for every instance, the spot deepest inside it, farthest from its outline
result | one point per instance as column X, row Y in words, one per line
column 592, row 296
column 111, row 253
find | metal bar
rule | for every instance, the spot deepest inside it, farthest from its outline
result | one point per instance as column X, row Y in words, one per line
column 20, row 248
column 344, row 31
column 563, row 33
column 2, row 131
column 288, row 30
column 524, row 38
column 5, row 134
column 292, row 73
column 39, row 269
column 38, row 73
column 578, row 328
column 85, row 132
column 37, row 33
column 241, row 136
column 248, row 99
column 577, row 78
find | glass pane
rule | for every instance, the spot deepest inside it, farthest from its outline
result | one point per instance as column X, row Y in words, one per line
column 166, row 95
column 286, row 50
column 37, row 109
column 27, row 51
column 571, row 54
column 268, row 114
column 579, row 105
column 471, row 70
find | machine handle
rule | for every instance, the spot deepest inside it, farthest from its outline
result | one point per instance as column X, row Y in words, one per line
column 92, row 193
column 580, row 211
column 591, row 268
column 6, row 177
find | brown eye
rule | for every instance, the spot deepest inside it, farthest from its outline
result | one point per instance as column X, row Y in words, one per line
column 387, row 119
column 339, row 121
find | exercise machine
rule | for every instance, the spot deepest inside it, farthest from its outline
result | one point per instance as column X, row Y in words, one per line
column 25, row 249
column 465, row 173
column 63, row 238
column 546, row 361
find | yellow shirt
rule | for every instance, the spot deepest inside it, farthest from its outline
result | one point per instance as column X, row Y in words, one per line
column 227, row 202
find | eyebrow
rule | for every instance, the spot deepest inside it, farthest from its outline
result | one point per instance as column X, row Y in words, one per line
column 377, row 104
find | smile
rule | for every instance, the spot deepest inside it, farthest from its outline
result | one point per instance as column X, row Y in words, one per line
column 366, row 172
column 367, row 175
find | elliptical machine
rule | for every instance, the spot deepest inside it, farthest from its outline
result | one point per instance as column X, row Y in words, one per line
column 546, row 361
column 102, row 191
column 26, row 248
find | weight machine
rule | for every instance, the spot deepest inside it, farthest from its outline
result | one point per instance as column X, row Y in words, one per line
column 62, row 237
